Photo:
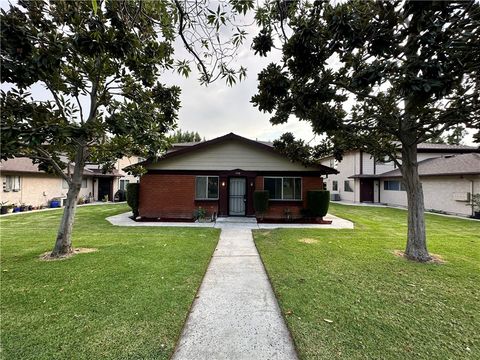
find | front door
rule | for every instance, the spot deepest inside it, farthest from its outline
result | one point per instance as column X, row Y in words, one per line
column 366, row 190
column 237, row 196
column 104, row 188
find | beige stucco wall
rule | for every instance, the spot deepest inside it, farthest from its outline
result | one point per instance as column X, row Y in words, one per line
column 438, row 193
column 230, row 156
column 38, row 189
column 122, row 163
column 347, row 167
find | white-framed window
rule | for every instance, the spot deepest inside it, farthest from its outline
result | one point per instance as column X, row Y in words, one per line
column 347, row 187
column 65, row 184
column 124, row 184
column 206, row 188
column 334, row 185
column 283, row 188
column 12, row 183
column 393, row 185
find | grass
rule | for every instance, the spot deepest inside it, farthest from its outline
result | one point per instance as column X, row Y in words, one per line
column 381, row 306
column 127, row 300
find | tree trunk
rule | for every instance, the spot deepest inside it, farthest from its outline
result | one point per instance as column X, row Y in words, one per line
column 416, row 241
column 63, row 244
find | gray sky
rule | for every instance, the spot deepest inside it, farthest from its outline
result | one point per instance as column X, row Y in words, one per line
column 218, row 109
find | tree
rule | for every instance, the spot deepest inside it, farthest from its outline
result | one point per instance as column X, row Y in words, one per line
column 454, row 137
column 100, row 62
column 411, row 68
column 185, row 136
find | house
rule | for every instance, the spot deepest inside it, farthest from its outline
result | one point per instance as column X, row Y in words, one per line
column 447, row 183
column 362, row 178
column 24, row 183
column 221, row 175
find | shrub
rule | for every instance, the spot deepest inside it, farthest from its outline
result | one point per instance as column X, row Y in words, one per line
column 317, row 202
column 133, row 191
column 260, row 201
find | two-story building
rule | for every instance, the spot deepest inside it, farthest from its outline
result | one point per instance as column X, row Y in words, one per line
column 362, row 178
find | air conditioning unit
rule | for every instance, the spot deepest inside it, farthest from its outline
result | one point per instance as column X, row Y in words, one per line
column 335, row 197
column 461, row 196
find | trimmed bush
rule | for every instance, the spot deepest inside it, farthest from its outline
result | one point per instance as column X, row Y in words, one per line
column 318, row 202
column 133, row 191
column 260, row 201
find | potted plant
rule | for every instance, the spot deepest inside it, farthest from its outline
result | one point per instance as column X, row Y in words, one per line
column 3, row 207
column 200, row 214
column 476, row 206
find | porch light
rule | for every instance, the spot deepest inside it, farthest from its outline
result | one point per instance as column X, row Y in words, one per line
column 223, row 183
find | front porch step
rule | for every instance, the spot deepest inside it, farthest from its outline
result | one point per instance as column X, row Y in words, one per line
column 237, row 220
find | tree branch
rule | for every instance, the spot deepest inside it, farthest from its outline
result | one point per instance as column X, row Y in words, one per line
column 181, row 28
column 55, row 165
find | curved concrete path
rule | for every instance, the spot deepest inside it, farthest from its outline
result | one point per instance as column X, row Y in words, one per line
column 236, row 315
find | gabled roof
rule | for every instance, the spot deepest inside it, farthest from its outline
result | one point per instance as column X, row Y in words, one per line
column 193, row 147
column 464, row 164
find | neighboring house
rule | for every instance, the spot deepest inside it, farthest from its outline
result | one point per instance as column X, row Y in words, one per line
column 123, row 179
column 220, row 176
column 362, row 178
column 24, row 183
column 447, row 182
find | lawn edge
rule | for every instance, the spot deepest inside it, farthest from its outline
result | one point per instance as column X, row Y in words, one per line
column 177, row 341
column 276, row 295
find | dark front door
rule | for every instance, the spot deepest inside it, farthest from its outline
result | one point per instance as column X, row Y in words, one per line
column 237, row 196
column 104, row 188
column 366, row 190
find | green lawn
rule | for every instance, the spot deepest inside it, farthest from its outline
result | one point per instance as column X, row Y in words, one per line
column 127, row 300
column 382, row 306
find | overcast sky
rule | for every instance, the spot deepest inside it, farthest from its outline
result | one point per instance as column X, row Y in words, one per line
column 218, row 109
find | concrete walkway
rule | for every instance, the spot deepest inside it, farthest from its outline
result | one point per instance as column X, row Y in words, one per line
column 236, row 315
column 247, row 223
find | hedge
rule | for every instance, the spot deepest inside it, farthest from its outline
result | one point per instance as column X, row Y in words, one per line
column 318, row 202
column 133, row 191
column 260, row 201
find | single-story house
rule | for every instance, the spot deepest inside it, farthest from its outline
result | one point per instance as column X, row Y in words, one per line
column 24, row 183
column 221, row 175
column 448, row 183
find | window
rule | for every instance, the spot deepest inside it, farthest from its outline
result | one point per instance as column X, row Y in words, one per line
column 333, row 163
column 12, row 183
column 206, row 188
column 123, row 184
column 334, row 185
column 347, row 187
column 65, row 184
column 283, row 188
column 393, row 185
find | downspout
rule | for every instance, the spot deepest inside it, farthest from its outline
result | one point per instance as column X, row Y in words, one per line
column 471, row 198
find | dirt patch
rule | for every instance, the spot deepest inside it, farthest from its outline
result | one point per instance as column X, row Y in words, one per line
column 436, row 259
column 308, row 240
column 46, row 256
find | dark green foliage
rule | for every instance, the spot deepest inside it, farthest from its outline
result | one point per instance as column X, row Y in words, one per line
column 260, row 201
column 318, row 202
column 185, row 136
column 133, row 193
column 378, row 76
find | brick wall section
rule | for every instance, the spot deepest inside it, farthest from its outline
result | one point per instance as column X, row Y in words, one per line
column 173, row 197
column 277, row 209
column 167, row 196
